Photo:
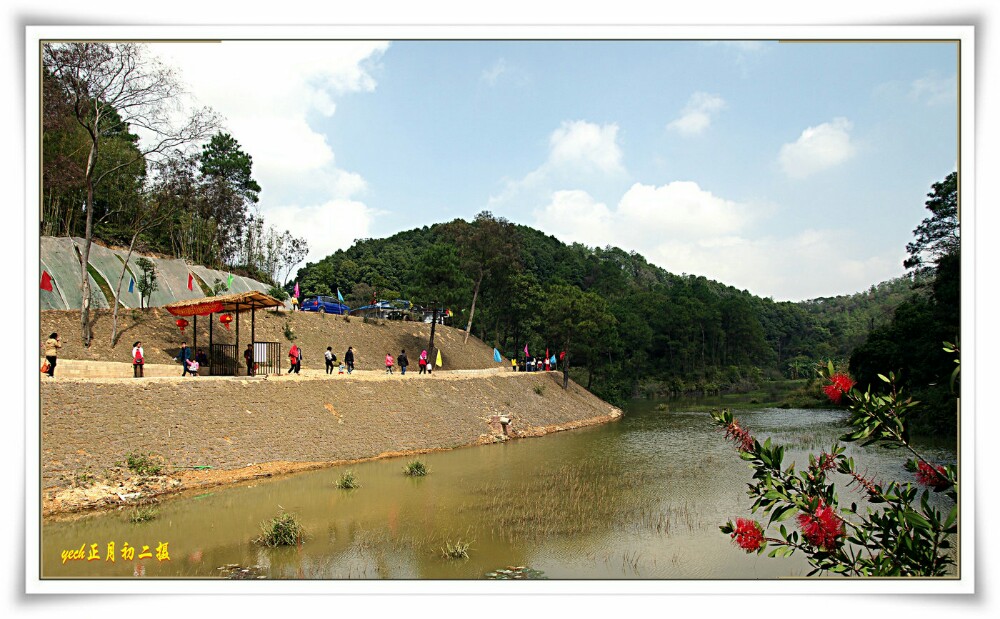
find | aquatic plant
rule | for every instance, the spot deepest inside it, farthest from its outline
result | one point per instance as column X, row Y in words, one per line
column 459, row 551
column 347, row 481
column 415, row 468
column 516, row 573
column 143, row 464
column 900, row 534
column 282, row 530
column 142, row 513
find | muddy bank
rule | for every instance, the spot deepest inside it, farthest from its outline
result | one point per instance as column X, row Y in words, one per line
column 251, row 428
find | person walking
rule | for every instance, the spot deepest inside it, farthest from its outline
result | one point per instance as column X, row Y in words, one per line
column 138, row 360
column 422, row 362
column 298, row 360
column 51, row 349
column 184, row 356
column 330, row 359
column 349, row 359
column 403, row 362
column 388, row 363
column 293, row 356
column 248, row 357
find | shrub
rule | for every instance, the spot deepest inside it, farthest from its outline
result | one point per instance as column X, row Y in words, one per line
column 902, row 535
column 416, row 468
column 282, row 530
column 143, row 464
column 347, row 481
column 540, row 389
column 289, row 334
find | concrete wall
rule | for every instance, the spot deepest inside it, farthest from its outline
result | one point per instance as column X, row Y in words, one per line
column 59, row 258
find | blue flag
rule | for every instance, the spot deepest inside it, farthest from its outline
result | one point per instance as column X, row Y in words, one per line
column 339, row 296
column 131, row 285
column 553, row 360
column 496, row 355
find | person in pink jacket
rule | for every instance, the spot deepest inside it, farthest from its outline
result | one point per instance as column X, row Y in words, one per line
column 388, row 363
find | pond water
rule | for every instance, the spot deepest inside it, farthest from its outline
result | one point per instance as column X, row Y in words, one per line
column 641, row 498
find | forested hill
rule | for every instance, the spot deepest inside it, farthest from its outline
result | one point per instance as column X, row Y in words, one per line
column 639, row 325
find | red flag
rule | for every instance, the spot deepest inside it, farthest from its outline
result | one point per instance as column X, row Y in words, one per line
column 190, row 282
column 46, row 281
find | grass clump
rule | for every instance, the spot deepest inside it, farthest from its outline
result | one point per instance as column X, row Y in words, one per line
column 143, row 464
column 282, row 530
column 459, row 551
column 289, row 334
column 348, row 481
column 540, row 389
column 143, row 513
column 416, row 468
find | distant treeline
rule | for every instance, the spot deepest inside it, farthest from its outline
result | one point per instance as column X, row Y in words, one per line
column 646, row 331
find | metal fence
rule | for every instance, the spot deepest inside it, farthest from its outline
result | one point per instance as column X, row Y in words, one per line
column 266, row 357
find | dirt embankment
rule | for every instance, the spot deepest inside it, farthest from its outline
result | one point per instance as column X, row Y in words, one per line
column 246, row 428
column 313, row 332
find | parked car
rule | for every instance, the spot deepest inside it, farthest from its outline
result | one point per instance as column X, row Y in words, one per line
column 326, row 305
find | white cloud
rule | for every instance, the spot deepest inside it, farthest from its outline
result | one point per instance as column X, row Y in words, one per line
column 583, row 146
column 697, row 114
column 491, row 75
column 934, row 89
column 579, row 152
column 686, row 229
column 270, row 94
column 327, row 227
column 818, row 148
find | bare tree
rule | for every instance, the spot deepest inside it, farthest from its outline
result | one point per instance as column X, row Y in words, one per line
column 114, row 83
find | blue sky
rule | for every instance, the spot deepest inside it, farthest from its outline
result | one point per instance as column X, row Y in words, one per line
column 792, row 170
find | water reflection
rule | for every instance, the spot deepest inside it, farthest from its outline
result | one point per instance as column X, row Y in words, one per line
column 641, row 498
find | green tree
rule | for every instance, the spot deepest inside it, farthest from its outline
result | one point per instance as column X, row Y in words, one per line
column 439, row 281
column 147, row 283
column 230, row 189
column 939, row 234
column 96, row 78
column 485, row 247
column 577, row 321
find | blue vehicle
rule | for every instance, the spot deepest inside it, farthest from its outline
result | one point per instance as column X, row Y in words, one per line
column 324, row 305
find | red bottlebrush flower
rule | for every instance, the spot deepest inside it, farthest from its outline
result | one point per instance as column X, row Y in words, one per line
column 866, row 484
column 822, row 528
column 740, row 436
column 935, row 477
column 748, row 535
column 839, row 385
column 825, row 462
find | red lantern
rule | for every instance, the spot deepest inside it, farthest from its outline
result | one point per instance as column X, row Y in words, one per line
column 182, row 323
column 225, row 319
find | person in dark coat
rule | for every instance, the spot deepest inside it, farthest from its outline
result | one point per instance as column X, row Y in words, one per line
column 184, row 356
column 349, row 359
column 402, row 362
column 248, row 357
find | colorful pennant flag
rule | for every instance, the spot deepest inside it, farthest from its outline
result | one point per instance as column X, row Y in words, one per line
column 437, row 362
column 190, row 282
column 340, row 297
column 229, row 283
column 525, row 350
column 131, row 285
column 496, row 355
column 296, row 295
column 553, row 360
column 46, row 281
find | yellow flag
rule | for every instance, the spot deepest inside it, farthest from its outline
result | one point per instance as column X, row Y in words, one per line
column 438, row 361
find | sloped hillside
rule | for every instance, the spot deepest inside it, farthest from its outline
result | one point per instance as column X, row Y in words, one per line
column 313, row 332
